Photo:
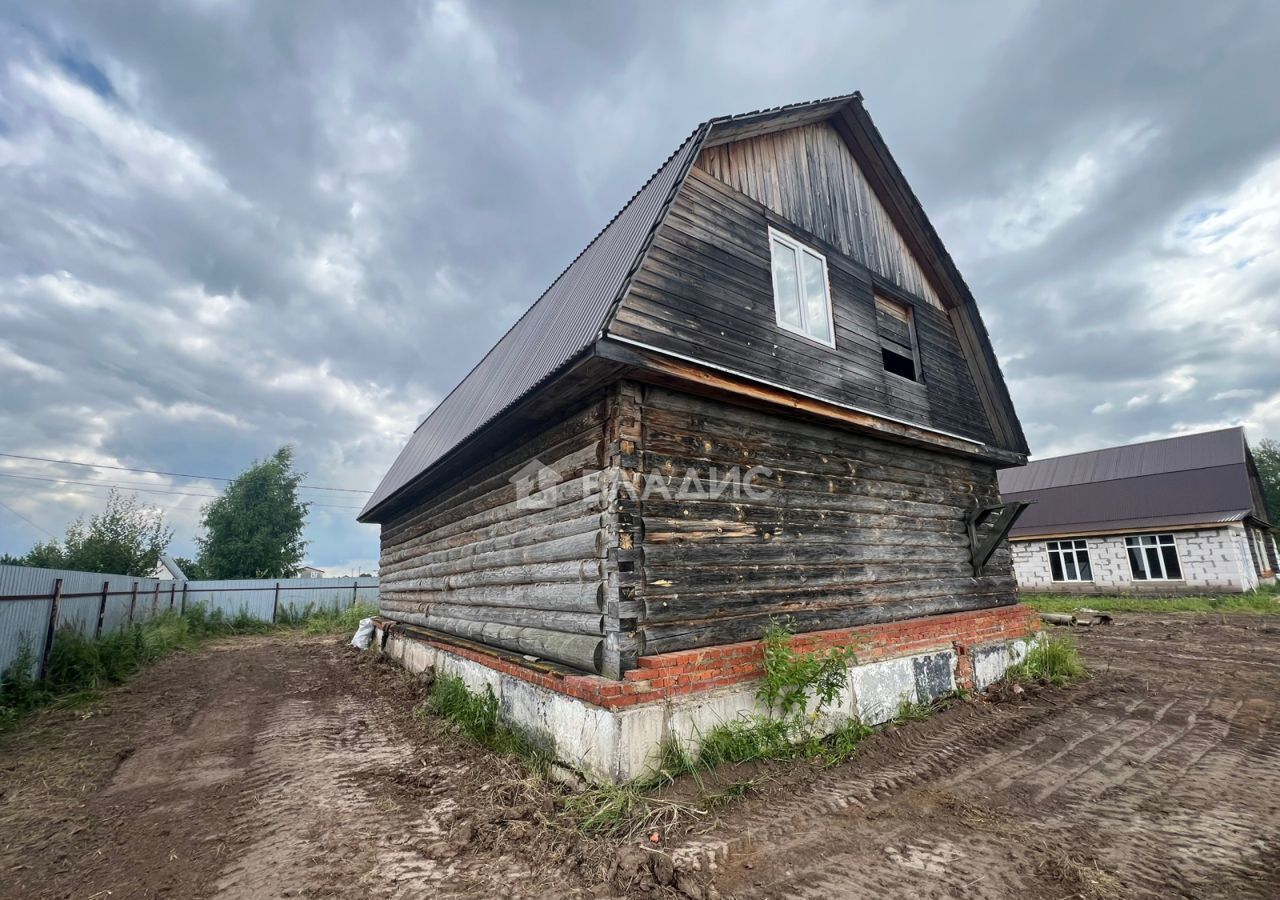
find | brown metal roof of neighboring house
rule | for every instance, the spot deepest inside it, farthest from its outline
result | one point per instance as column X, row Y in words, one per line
column 1194, row 479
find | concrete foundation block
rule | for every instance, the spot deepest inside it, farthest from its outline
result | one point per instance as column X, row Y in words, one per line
column 617, row 745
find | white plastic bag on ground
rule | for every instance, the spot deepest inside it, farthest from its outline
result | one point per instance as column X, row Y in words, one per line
column 364, row 634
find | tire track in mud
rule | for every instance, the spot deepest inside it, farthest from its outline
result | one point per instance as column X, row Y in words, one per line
column 1152, row 781
column 322, row 815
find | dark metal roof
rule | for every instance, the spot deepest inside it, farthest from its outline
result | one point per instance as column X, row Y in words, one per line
column 572, row 314
column 1194, row 479
column 562, row 323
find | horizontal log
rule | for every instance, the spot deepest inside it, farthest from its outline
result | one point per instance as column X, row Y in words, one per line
column 443, row 518
column 560, row 446
column 532, row 573
column 578, row 547
column 425, row 554
column 729, row 580
column 567, row 622
column 586, row 597
column 686, row 636
column 782, row 552
column 779, row 601
column 576, row 650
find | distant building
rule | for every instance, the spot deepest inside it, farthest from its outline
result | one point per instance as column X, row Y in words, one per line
column 310, row 572
column 1179, row 515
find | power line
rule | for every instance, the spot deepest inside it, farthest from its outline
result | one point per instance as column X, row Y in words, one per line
column 108, row 484
column 72, row 462
column 28, row 521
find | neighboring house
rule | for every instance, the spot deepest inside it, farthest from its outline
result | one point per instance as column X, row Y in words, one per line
column 1179, row 515
column 309, row 572
column 762, row 394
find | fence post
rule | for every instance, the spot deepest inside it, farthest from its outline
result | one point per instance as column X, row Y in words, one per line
column 183, row 608
column 53, row 626
column 155, row 600
column 275, row 605
column 173, row 593
column 355, row 592
column 133, row 601
column 102, row 610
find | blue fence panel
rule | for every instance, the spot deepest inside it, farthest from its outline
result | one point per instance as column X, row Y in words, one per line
column 26, row 622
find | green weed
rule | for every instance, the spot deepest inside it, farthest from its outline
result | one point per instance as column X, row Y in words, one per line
column 476, row 716
column 1053, row 660
column 344, row 621
column 793, row 679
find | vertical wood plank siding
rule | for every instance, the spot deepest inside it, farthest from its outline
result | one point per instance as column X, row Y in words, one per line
column 808, row 175
column 705, row 290
column 470, row 561
column 855, row 529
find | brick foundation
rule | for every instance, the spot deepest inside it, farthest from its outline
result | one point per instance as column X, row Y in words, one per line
column 669, row 675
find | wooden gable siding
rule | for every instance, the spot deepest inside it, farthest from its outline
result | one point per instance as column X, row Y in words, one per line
column 808, row 176
column 470, row 561
column 855, row 529
column 705, row 291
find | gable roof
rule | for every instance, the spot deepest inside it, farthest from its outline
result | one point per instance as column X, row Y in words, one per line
column 1194, row 479
column 576, row 310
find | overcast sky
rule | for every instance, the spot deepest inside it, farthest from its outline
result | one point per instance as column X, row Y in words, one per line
column 226, row 226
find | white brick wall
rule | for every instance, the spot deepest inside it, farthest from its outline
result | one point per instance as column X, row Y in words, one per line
column 1211, row 558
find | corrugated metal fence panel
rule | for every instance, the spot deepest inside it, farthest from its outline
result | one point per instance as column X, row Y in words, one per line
column 26, row 622
column 258, row 596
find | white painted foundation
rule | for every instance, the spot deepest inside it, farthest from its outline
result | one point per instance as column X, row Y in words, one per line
column 604, row 745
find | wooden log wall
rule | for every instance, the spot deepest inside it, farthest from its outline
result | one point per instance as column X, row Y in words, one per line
column 705, row 291
column 808, row 175
column 471, row 561
column 855, row 529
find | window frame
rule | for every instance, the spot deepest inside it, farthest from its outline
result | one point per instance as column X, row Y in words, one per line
column 1159, row 546
column 801, row 247
column 1078, row 546
column 878, row 297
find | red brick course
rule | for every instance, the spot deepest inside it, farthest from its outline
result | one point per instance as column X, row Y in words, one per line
column 661, row 677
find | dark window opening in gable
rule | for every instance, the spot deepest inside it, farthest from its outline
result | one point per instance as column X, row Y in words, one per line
column 897, row 334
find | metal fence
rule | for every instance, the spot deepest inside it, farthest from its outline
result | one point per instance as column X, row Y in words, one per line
column 35, row 603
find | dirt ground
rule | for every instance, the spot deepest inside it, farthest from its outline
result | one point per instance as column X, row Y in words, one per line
column 287, row 767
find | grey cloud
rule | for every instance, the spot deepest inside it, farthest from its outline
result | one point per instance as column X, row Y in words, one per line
column 393, row 184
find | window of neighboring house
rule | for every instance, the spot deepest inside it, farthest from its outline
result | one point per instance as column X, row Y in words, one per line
column 897, row 339
column 801, row 293
column 1069, row 561
column 1153, row 557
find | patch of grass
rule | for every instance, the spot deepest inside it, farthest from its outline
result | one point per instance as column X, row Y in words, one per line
column 1053, row 660
column 1265, row 600
column 910, row 711
column 476, row 716
column 346, row 621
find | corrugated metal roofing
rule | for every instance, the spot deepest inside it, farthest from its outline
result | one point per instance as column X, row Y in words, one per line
column 1197, row 478
column 568, row 317
column 1176, row 454
column 562, row 323
column 573, row 312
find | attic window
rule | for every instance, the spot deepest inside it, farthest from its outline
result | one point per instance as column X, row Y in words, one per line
column 897, row 339
column 801, row 296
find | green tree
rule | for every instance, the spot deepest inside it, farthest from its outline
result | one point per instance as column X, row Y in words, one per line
column 254, row 530
column 47, row 555
column 1266, row 453
column 124, row 539
column 189, row 567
